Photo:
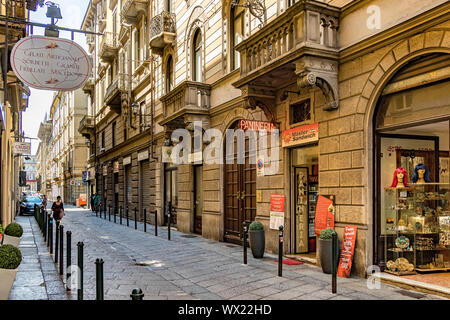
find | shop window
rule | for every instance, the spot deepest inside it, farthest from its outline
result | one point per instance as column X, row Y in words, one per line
column 300, row 112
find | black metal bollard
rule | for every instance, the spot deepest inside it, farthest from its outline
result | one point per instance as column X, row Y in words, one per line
column 145, row 220
column 128, row 224
column 96, row 210
column 168, row 222
column 280, row 252
column 156, row 223
column 57, row 241
column 80, row 246
column 115, row 214
column 45, row 225
column 120, row 214
column 50, row 234
column 109, row 213
column 245, row 242
column 99, row 278
column 61, row 250
column 68, row 257
column 135, row 218
column 137, row 294
column 48, row 230
column 334, row 247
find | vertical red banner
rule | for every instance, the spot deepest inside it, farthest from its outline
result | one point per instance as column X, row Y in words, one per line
column 324, row 214
column 348, row 249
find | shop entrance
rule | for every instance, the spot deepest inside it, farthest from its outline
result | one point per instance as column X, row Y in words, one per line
column 412, row 185
column 198, row 198
column 304, row 188
column 240, row 193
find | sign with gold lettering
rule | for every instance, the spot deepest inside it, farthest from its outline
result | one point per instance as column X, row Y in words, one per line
column 50, row 63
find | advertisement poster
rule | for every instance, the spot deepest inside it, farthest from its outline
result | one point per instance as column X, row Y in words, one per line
column 348, row 249
column 300, row 135
column 276, row 211
column 324, row 213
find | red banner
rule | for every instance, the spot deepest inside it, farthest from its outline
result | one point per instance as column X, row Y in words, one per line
column 324, row 214
column 348, row 249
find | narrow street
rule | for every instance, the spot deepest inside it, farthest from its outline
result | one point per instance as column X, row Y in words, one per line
column 187, row 267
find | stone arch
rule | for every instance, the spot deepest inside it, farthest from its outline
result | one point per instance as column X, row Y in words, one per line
column 436, row 40
column 241, row 113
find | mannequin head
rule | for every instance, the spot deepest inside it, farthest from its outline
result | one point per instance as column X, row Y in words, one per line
column 400, row 175
column 421, row 173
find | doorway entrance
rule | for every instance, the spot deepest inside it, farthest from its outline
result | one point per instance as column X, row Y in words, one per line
column 240, row 193
column 198, row 198
column 305, row 189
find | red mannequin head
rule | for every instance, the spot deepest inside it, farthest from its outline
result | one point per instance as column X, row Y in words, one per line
column 395, row 180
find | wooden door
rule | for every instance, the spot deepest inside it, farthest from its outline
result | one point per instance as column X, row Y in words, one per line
column 240, row 195
column 198, row 198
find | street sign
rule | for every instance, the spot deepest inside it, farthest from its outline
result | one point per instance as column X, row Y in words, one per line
column 22, row 148
column 49, row 63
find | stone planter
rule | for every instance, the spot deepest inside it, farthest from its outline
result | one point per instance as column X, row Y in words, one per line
column 7, row 277
column 325, row 254
column 12, row 240
column 257, row 242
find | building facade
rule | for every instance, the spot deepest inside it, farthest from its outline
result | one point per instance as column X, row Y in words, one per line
column 67, row 149
column 29, row 165
column 14, row 101
column 355, row 88
column 43, row 175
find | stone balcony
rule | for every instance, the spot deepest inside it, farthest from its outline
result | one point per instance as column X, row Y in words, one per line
column 132, row 8
column 113, row 94
column 299, row 44
column 188, row 102
column 162, row 31
column 109, row 47
column 86, row 128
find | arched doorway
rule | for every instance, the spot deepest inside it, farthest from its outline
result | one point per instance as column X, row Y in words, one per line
column 239, row 191
column 412, row 134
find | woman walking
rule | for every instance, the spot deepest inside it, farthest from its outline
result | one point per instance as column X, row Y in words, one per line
column 58, row 210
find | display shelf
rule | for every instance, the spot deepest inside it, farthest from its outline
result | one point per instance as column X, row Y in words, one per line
column 400, row 273
column 431, row 269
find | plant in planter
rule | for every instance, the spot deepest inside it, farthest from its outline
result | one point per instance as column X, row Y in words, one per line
column 257, row 239
column 10, row 258
column 326, row 249
column 14, row 230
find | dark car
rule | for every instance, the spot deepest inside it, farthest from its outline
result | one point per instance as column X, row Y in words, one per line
column 27, row 204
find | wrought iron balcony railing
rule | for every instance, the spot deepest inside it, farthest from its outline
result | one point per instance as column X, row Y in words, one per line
column 162, row 31
column 109, row 46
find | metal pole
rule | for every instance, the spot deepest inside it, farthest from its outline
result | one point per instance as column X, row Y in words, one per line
column 68, row 257
column 128, row 224
column 80, row 246
column 156, row 223
column 115, row 213
column 109, row 213
column 48, row 230
column 334, row 262
column 57, row 241
column 137, row 294
column 99, row 278
column 245, row 242
column 45, row 225
column 61, row 250
column 280, row 252
column 135, row 218
column 120, row 213
column 145, row 220
column 50, row 234
column 169, row 207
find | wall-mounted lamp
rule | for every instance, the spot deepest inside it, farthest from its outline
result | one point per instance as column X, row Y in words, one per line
column 53, row 12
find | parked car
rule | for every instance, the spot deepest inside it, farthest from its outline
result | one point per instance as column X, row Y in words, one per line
column 27, row 204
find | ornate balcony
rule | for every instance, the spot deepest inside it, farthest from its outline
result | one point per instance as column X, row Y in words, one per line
column 88, row 87
column 188, row 102
column 162, row 31
column 299, row 44
column 86, row 128
column 115, row 91
column 109, row 47
column 132, row 8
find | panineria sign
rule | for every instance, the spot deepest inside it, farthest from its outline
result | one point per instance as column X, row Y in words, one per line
column 50, row 63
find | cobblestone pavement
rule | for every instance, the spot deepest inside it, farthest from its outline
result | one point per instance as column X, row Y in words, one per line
column 196, row 268
column 36, row 278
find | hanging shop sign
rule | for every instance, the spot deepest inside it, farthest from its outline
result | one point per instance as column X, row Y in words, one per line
column 325, row 211
column 49, row 63
column 126, row 160
column 300, row 135
column 22, row 148
column 256, row 125
column 348, row 249
column 276, row 211
column 116, row 166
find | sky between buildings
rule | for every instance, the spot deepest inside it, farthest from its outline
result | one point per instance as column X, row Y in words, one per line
column 72, row 12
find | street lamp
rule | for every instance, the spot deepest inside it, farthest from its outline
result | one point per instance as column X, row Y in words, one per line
column 53, row 12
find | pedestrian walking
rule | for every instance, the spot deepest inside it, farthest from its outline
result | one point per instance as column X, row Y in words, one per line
column 58, row 209
column 44, row 202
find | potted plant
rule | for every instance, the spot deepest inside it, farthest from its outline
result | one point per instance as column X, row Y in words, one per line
column 13, row 232
column 257, row 239
column 10, row 258
column 1, row 231
column 325, row 250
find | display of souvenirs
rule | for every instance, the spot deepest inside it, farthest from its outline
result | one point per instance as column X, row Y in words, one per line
column 444, row 223
column 400, row 179
column 400, row 265
column 421, row 174
column 424, row 243
column 444, row 239
column 402, row 242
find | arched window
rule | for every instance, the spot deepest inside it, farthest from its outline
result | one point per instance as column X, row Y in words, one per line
column 237, row 25
column 169, row 74
column 197, row 56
